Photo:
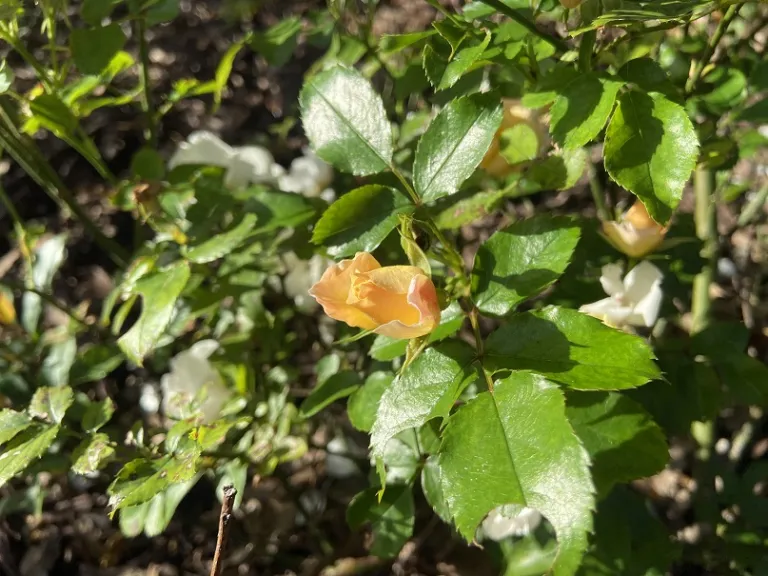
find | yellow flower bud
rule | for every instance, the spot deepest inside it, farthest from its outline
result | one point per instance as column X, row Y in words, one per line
column 396, row 301
column 636, row 234
column 7, row 310
column 514, row 113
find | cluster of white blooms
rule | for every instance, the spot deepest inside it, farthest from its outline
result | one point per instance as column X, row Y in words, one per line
column 244, row 165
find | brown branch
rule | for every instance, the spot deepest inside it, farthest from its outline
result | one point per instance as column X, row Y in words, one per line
column 224, row 518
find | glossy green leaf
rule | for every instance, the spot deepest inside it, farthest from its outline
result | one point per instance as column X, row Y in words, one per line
column 385, row 348
column 51, row 404
column 444, row 75
column 582, row 108
column 6, row 77
column 651, row 149
column 147, row 164
column 48, row 257
column 648, row 75
column 391, row 43
column 140, row 480
column 572, row 349
column 97, row 414
column 276, row 209
column 94, row 363
column 623, row 441
column 92, row 454
column 163, row 506
column 24, row 449
column 278, row 42
column 454, row 144
column 220, row 245
column 58, row 361
column 391, row 519
column 515, row 446
column 728, row 88
column 519, row 144
column 363, row 404
column 335, row 387
column 93, row 48
column 161, row 11
column 432, row 486
column 360, row 220
column 94, row 11
column 159, row 293
column 426, row 389
column 345, row 121
column 521, row 260
column 12, row 423
column 468, row 210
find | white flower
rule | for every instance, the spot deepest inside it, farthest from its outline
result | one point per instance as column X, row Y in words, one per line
column 510, row 520
column 308, row 175
column 244, row 165
column 302, row 275
column 635, row 301
column 190, row 372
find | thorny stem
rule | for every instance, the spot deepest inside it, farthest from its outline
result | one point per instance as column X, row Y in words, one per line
column 527, row 24
column 224, row 519
column 479, row 346
column 698, row 69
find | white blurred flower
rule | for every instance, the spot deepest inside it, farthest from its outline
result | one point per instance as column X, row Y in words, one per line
column 302, row 275
column 633, row 301
column 308, row 175
column 510, row 520
column 244, row 165
column 190, row 372
column 338, row 464
column 149, row 401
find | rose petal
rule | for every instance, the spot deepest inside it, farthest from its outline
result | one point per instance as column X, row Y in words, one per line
column 609, row 310
column 202, row 148
column 646, row 311
column 610, row 280
column 639, row 281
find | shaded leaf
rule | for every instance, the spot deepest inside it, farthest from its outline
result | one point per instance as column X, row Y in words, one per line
column 12, row 423
column 620, row 436
column 651, row 149
column 515, row 446
column 278, row 42
column 360, row 220
column 220, row 245
column 391, row 519
column 571, row 348
column 97, row 414
column 94, row 363
column 363, row 404
column 521, row 260
column 276, row 209
column 93, row 48
column 335, row 387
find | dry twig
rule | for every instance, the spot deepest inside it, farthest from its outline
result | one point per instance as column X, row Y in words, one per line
column 224, row 518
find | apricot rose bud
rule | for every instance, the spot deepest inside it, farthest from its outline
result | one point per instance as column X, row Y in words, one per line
column 636, row 234
column 396, row 301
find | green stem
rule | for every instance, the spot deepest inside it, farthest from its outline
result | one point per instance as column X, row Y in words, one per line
column 706, row 230
column 527, row 24
column 14, row 42
column 407, row 185
column 150, row 133
column 479, row 346
column 722, row 26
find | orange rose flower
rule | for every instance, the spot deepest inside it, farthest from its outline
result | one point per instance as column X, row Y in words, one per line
column 514, row 113
column 636, row 234
column 396, row 301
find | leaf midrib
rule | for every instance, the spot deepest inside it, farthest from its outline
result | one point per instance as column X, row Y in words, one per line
column 349, row 125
